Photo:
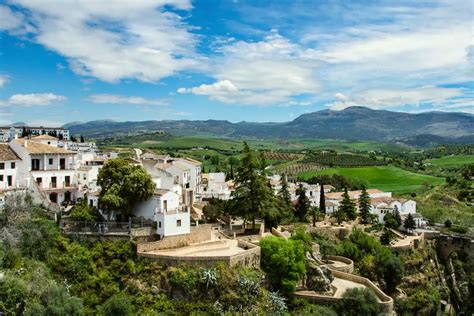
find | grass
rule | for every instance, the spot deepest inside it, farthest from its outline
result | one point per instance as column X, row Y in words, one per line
column 386, row 178
column 452, row 161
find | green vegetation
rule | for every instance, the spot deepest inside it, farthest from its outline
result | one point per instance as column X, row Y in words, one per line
column 331, row 158
column 452, row 161
column 123, row 185
column 385, row 178
column 359, row 302
column 283, row 261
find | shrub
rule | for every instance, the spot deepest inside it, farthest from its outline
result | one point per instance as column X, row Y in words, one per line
column 117, row 305
column 358, row 301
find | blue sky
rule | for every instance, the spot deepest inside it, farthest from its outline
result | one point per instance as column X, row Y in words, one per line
column 64, row 60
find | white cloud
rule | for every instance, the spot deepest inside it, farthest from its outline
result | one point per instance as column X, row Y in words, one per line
column 32, row 99
column 269, row 72
column 3, row 80
column 9, row 20
column 119, row 99
column 113, row 40
column 394, row 98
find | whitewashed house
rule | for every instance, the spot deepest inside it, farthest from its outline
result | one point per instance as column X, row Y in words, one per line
column 48, row 169
column 10, row 162
column 214, row 186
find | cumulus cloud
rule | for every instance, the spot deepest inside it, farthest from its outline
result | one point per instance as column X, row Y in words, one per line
column 272, row 71
column 119, row 99
column 33, row 99
column 394, row 98
column 113, row 40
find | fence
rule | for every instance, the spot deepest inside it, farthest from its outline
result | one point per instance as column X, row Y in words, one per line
column 69, row 226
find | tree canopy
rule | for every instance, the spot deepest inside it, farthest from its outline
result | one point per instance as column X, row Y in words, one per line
column 364, row 207
column 123, row 185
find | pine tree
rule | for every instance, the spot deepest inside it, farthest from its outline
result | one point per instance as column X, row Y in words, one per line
column 322, row 200
column 339, row 215
column 315, row 211
column 364, row 206
column 232, row 172
column 302, row 207
column 253, row 195
column 347, row 206
column 82, row 138
column 284, row 193
column 409, row 223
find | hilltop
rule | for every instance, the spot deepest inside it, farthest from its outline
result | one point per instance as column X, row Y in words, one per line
column 353, row 123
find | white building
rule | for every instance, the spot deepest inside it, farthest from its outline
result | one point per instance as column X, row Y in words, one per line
column 60, row 132
column 164, row 207
column 48, row 169
column 214, row 186
column 81, row 147
column 9, row 165
column 383, row 205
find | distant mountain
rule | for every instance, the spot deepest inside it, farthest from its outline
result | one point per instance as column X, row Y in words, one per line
column 353, row 123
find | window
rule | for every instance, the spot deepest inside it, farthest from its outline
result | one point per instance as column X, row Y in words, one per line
column 9, row 181
column 178, row 223
column 159, row 224
column 1, row 177
column 50, row 161
column 13, row 165
column 2, row 165
column 39, row 180
column 35, row 164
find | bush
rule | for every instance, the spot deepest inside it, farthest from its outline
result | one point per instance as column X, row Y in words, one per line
column 357, row 302
column 117, row 305
column 283, row 261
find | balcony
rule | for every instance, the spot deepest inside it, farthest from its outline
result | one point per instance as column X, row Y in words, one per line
column 56, row 186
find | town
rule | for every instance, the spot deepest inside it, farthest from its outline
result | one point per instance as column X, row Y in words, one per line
column 177, row 215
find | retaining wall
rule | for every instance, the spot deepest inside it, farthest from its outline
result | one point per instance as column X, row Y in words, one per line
column 198, row 234
column 348, row 268
column 386, row 302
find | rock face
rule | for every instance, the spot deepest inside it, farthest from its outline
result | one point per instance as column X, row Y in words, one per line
column 317, row 278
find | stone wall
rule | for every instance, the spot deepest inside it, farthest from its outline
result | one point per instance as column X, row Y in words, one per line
column 249, row 258
column 142, row 232
column 386, row 303
column 348, row 267
column 198, row 234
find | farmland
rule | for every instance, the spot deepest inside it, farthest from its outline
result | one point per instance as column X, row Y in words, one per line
column 385, row 178
column 452, row 161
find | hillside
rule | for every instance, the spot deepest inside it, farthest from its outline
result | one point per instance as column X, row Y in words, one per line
column 353, row 123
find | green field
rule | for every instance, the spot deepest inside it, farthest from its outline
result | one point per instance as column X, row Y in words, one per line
column 186, row 142
column 385, row 178
column 452, row 161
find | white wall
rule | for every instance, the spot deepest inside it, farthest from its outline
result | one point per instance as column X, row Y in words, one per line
column 12, row 172
column 169, row 224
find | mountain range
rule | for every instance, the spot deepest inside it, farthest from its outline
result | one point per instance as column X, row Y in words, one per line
column 353, row 123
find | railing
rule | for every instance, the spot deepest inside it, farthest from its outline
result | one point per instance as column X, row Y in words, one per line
column 70, row 226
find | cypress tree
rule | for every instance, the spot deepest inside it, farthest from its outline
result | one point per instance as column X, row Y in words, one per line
column 409, row 223
column 284, row 193
column 322, row 200
column 364, row 206
column 303, row 205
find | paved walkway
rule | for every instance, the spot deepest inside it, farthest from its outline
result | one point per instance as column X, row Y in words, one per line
column 343, row 285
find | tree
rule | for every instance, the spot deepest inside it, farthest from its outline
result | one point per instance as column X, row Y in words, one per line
column 117, row 305
column 83, row 212
column 24, row 132
column 347, row 206
column 123, row 185
column 339, row 215
column 283, row 261
column 82, row 138
column 214, row 209
column 359, row 301
column 315, row 211
column 231, row 172
column 364, row 207
column 386, row 237
column 303, row 204
column 322, row 200
column 284, row 192
column 409, row 223
column 448, row 223
column 392, row 270
column 253, row 196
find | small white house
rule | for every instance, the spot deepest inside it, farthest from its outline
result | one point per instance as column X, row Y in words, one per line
column 164, row 208
column 9, row 166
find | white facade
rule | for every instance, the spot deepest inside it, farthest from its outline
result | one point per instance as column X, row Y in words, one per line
column 9, row 178
column 49, row 169
column 34, row 131
column 215, row 186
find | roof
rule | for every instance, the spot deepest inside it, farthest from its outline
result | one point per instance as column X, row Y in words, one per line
column 161, row 192
column 192, row 161
column 33, row 147
column 7, row 154
column 352, row 194
column 44, row 137
column 387, row 200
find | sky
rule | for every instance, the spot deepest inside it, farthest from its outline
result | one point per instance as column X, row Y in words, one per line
column 80, row 60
